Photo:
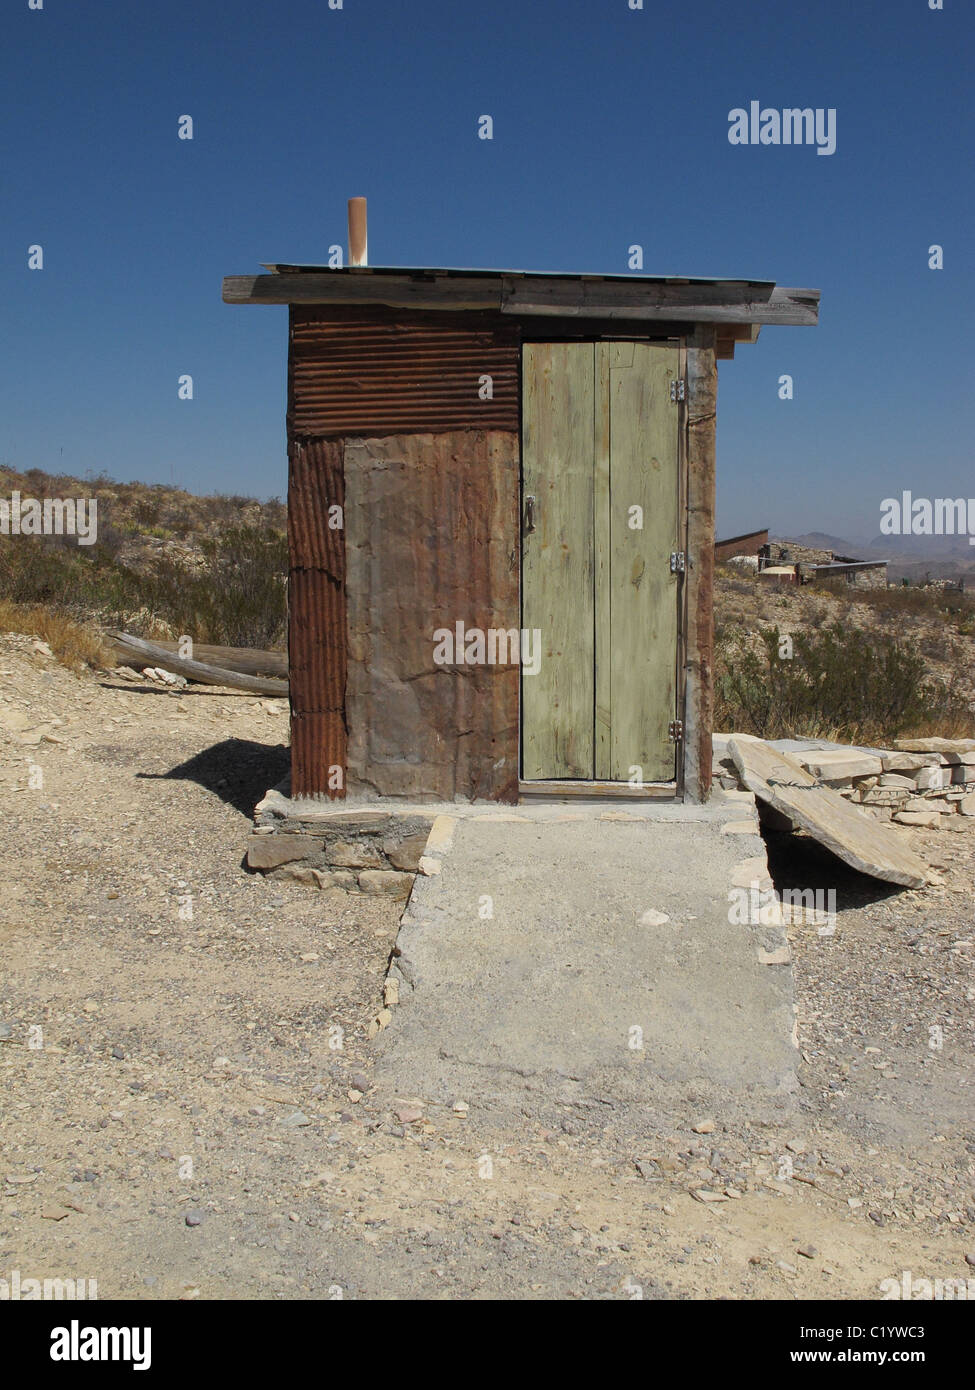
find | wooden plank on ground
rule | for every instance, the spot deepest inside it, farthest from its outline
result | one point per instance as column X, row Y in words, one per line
column 865, row 844
column 153, row 655
column 247, row 661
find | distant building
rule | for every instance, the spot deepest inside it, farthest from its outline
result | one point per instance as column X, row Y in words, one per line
column 751, row 543
column 789, row 561
column 815, row 565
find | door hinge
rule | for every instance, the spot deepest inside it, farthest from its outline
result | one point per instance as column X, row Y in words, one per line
column 677, row 562
column 677, row 389
column 676, row 730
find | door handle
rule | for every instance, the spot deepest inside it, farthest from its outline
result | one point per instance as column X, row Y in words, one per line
column 529, row 519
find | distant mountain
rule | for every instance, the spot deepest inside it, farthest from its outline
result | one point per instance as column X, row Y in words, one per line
column 908, row 557
column 821, row 540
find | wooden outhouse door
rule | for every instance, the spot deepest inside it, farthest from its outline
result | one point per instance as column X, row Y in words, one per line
column 600, row 521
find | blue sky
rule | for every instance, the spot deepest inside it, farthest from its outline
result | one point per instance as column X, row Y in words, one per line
column 610, row 128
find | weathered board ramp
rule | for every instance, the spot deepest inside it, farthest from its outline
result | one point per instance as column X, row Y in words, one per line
column 856, row 838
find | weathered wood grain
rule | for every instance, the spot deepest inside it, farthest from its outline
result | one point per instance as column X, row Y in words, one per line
column 630, row 297
column 640, row 647
column 558, row 460
column 153, row 655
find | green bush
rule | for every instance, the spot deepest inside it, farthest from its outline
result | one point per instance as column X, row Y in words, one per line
column 840, row 683
column 236, row 597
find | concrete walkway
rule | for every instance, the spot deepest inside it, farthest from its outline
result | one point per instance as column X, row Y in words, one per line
column 577, row 953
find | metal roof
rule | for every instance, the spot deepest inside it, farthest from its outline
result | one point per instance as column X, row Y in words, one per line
column 285, row 268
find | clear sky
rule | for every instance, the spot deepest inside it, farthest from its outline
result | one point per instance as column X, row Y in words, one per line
column 610, row 128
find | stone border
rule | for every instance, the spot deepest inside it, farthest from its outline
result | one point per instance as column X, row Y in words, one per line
column 913, row 786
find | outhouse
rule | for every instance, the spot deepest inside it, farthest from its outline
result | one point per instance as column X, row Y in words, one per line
column 501, row 522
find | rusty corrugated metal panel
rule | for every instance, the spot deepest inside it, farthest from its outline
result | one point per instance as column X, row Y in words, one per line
column 317, row 617
column 370, row 372
column 432, row 530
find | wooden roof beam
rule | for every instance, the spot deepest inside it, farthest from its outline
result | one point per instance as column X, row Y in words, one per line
column 728, row 302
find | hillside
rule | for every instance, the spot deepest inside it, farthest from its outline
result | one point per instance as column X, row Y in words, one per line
column 164, row 562
column 900, row 656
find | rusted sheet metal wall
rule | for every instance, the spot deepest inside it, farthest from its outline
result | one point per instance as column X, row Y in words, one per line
column 432, row 538
column 317, row 618
column 369, row 372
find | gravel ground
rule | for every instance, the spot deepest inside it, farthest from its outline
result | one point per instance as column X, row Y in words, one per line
column 187, row 1109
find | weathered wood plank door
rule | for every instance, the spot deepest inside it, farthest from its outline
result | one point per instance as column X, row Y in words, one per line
column 600, row 509
column 558, row 452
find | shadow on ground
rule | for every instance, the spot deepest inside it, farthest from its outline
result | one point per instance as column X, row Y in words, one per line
column 799, row 862
column 237, row 770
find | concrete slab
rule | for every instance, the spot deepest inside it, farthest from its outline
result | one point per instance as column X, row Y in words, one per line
column 556, row 961
column 866, row 844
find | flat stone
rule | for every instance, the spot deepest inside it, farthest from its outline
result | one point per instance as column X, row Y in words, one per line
column 896, row 779
column 885, row 796
column 932, row 778
column 270, row 851
column 441, row 834
column 857, row 839
column 388, row 882
column 841, row 765
column 928, row 820
column 909, row 762
column 299, row 873
column 740, row 827
column 405, row 853
column 345, row 854
column 349, row 818
column 935, row 745
column 967, row 805
column 335, row 878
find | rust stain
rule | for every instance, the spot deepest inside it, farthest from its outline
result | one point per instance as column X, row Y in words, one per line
column 431, row 523
column 316, row 618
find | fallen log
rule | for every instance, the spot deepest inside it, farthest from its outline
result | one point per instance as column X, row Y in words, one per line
column 153, row 654
column 247, row 661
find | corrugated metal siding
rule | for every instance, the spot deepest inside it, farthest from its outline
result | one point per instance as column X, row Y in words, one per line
column 432, row 532
column 369, row 372
column 317, row 617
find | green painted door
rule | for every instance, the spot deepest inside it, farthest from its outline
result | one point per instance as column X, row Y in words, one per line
column 599, row 522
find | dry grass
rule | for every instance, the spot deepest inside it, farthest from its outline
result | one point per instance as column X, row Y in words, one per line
column 74, row 644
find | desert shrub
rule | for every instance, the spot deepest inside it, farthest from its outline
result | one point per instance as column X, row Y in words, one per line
column 56, row 573
column 840, row 683
column 236, row 597
column 943, row 605
column 74, row 644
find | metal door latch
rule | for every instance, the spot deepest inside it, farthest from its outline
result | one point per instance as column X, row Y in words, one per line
column 529, row 522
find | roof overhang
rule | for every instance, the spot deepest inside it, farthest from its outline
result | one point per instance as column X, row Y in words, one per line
column 738, row 308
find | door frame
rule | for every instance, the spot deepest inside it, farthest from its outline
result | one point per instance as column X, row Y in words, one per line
column 557, row 789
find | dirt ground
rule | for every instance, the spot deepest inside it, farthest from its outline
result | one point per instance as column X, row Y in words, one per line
column 187, row 1108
